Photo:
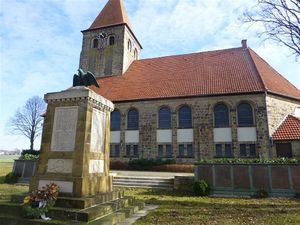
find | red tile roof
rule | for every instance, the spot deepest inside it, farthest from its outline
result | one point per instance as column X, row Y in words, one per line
column 288, row 130
column 229, row 71
column 112, row 14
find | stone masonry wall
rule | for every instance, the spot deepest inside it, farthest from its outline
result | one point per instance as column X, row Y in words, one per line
column 203, row 124
column 278, row 108
column 108, row 60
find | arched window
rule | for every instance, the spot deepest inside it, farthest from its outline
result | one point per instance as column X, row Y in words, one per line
column 221, row 115
column 135, row 54
column 133, row 119
column 95, row 43
column 111, row 40
column 115, row 120
column 245, row 115
column 185, row 117
column 164, row 118
column 129, row 45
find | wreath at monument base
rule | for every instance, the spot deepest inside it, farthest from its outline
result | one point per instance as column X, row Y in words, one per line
column 38, row 203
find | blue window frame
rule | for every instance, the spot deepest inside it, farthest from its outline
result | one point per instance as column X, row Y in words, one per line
column 128, row 150
column 135, row 150
column 190, row 151
column 243, row 150
column 219, row 150
column 228, row 150
column 164, row 118
column 181, row 150
column 117, row 150
column 245, row 115
column 169, row 151
column 252, row 150
column 221, row 115
column 160, row 150
column 185, row 117
column 133, row 119
column 115, row 120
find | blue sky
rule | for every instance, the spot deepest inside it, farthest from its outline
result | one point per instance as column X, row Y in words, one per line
column 40, row 42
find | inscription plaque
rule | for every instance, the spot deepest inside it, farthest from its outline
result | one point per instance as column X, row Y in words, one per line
column 98, row 131
column 96, row 166
column 59, row 166
column 64, row 129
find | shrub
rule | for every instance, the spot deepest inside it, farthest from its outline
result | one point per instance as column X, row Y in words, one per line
column 29, row 157
column 262, row 193
column 11, row 178
column 31, row 152
column 249, row 161
column 147, row 164
column 118, row 165
column 201, row 188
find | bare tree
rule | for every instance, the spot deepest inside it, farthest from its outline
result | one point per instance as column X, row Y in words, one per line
column 28, row 120
column 281, row 21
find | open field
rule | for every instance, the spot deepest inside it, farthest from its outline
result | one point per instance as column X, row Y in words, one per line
column 8, row 189
column 8, row 158
column 184, row 209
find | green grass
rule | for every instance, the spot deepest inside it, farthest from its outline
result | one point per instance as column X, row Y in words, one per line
column 8, row 158
column 178, row 209
column 6, row 190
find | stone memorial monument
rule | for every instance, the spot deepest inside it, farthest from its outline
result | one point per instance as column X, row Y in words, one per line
column 75, row 143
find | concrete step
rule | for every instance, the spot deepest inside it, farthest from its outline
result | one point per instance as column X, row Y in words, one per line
column 108, row 213
column 144, row 182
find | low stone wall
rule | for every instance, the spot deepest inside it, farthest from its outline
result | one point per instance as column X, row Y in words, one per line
column 241, row 179
column 24, row 169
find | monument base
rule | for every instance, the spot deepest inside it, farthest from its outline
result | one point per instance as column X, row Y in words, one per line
column 74, row 186
column 107, row 208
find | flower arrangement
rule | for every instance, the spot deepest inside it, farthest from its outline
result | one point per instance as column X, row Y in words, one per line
column 40, row 201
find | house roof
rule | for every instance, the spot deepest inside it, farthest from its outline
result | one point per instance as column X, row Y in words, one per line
column 112, row 14
column 288, row 130
column 228, row 71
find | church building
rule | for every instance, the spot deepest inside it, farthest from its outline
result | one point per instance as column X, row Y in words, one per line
column 223, row 103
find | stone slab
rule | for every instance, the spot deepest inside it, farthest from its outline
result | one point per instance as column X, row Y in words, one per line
column 60, row 166
column 64, row 128
column 98, row 131
column 64, row 186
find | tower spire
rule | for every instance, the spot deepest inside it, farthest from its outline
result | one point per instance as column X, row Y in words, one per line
column 112, row 14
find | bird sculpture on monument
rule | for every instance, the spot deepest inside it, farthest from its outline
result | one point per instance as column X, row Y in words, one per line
column 84, row 79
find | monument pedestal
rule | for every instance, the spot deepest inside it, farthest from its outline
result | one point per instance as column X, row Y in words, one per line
column 75, row 143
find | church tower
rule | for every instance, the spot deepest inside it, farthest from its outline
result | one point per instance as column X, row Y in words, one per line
column 109, row 46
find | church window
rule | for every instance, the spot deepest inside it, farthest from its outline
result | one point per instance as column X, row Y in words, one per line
column 160, row 150
column 164, row 118
column 185, row 117
column 190, row 151
column 115, row 120
column 135, row 54
column 169, row 151
column 95, row 43
column 133, row 119
column 181, row 150
column 221, row 115
column 228, row 150
column 129, row 45
column 135, row 150
column 252, row 150
column 245, row 115
column 111, row 40
column 219, row 150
